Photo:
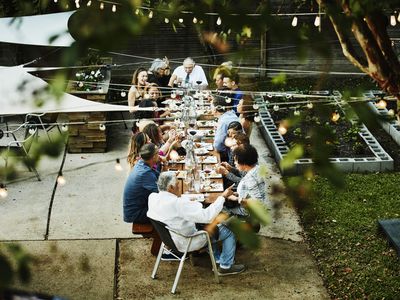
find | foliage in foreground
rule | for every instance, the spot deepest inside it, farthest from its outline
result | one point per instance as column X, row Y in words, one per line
column 354, row 258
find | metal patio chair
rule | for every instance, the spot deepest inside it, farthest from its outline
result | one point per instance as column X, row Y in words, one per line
column 43, row 121
column 168, row 246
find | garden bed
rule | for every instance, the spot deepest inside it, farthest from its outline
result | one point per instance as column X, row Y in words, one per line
column 356, row 150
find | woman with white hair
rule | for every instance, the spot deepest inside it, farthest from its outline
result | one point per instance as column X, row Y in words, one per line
column 160, row 73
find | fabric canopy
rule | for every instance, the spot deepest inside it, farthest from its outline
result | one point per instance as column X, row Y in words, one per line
column 37, row 30
column 23, row 93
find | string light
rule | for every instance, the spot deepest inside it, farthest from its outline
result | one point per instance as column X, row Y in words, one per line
column 335, row 116
column 102, row 127
column 317, row 21
column 194, row 20
column 137, row 11
column 166, row 20
column 123, row 94
column 398, row 17
column 31, row 130
column 257, row 119
column 219, row 21
column 101, row 5
column 77, row 4
column 228, row 100
column 391, row 112
column 151, row 14
column 282, row 129
column 296, row 112
column 381, row 104
column 89, row 3
column 255, row 106
column 310, row 105
column 3, row 191
column 276, row 107
column 55, row 1
column 294, row 21
column 114, row 8
column 180, row 20
column 64, row 127
column 60, row 179
column 118, row 166
column 393, row 20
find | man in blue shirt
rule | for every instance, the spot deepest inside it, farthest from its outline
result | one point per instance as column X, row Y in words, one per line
column 231, row 82
column 226, row 115
column 141, row 182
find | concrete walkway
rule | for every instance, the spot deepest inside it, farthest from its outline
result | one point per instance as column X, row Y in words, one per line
column 83, row 249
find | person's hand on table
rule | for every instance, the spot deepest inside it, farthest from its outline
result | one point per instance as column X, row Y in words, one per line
column 221, row 170
column 228, row 192
column 233, row 197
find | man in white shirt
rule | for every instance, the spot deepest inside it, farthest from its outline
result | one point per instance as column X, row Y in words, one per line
column 182, row 214
column 189, row 74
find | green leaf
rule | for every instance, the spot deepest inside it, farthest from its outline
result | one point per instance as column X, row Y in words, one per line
column 279, row 79
column 295, row 153
column 258, row 211
column 244, row 233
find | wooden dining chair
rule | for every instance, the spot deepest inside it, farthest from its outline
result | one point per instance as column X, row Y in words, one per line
column 169, row 246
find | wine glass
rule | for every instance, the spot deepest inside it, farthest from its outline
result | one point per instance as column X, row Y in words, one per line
column 173, row 94
column 192, row 132
column 198, row 82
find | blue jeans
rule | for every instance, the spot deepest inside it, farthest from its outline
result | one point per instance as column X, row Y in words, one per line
column 227, row 256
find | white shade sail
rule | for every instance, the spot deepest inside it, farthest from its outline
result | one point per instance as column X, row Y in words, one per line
column 36, row 30
column 21, row 92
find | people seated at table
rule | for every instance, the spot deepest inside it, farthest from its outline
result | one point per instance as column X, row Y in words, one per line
column 160, row 74
column 136, row 91
column 252, row 185
column 137, row 141
column 189, row 74
column 247, row 112
column 182, row 214
column 225, row 115
column 144, row 117
column 231, row 82
column 141, row 182
column 152, row 92
column 156, row 137
column 220, row 72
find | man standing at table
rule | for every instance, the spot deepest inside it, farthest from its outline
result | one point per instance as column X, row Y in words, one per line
column 141, row 182
column 182, row 214
column 189, row 73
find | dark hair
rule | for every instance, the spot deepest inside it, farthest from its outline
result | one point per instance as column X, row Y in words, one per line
column 234, row 76
column 220, row 103
column 241, row 138
column 142, row 114
column 136, row 74
column 153, row 133
column 246, row 154
column 235, row 125
column 148, row 151
column 137, row 142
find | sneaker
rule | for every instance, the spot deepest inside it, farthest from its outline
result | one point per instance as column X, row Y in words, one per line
column 234, row 269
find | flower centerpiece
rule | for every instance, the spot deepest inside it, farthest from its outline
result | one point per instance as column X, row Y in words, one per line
column 87, row 80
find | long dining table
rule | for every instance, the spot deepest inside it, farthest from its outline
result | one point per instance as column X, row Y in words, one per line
column 211, row 185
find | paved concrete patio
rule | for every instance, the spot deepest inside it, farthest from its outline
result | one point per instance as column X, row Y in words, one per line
column 84, row 250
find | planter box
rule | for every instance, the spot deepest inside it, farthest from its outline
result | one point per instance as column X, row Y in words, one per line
column 88, row 138
column 379, row 162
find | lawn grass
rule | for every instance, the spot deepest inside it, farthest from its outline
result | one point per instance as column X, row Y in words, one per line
column 354, row 257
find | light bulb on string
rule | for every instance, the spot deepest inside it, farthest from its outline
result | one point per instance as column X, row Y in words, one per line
column 77, row 4
column 201, row 22
column 3, row 191
column 335, row 116
column 255, row 106
column 257, row 118
column 317, row 21
column 64, row 127
column 89, row 3
column 228, row 100
column 276, row 107
column 219, row 21
column 166, row 20
column 194, row 20
column 381, row 104
column 310, row 105
column 32, row 130
column 393, row 20
column 282, row 129
column 102, row 127
column 294, row 21
column 114, row 8
column 180, row 20
column 55, row 1
column 60, row 179
column 269, row 95
column 123, row 94
column 151, row 14
column 101, row 5
column 173, row 94
column 137, row 11
column 296, row 112
column 391, row 112
column 118, row 166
